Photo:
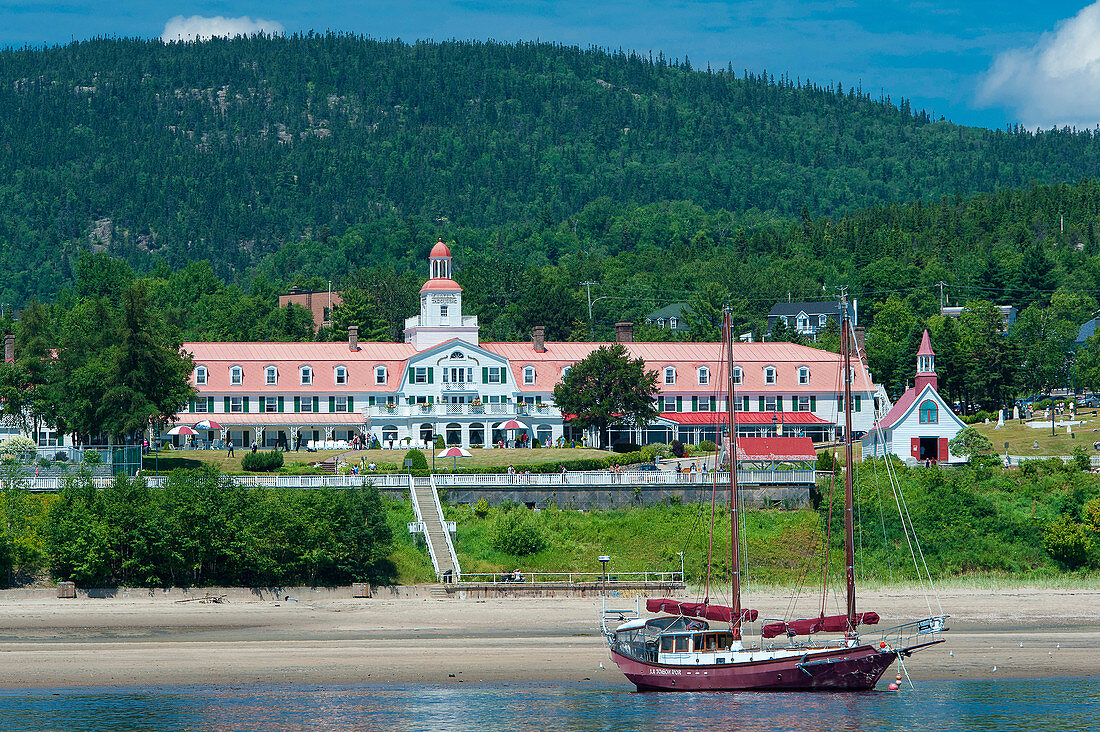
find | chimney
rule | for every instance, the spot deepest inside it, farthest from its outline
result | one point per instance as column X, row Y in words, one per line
column 624, row 332
column 861, row 349
column 9, row 348
column 538, row 338
column 353, row 337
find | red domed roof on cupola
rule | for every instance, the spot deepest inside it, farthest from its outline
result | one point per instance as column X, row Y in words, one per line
column 441, row 284
column 440, row 250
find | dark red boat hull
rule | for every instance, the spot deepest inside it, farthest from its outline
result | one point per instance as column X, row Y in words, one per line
column 850, row 669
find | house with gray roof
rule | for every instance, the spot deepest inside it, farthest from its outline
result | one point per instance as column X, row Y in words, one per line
column 670, row 316
column 808, row 317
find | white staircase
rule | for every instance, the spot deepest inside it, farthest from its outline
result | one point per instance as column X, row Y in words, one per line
column 437, row 531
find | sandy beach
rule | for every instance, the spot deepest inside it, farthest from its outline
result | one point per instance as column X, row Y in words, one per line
column 146, row 638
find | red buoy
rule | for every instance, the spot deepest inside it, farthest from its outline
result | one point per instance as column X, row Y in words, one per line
column 893, row 686
column 882, row 644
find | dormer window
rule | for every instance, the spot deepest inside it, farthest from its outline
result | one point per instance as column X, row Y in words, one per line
column 341, row 375
column 737, row 375
column 670, row 375
column 803, row 375
column 672, row 323
column 704, row 376
column 528, row 375
column 306, row 375
column 564, row 371
column 236, row 375
column 803, row 322
column 769, row 375
column 380, row 374
column 271, row 376
column 822, row 320
column 200, row 376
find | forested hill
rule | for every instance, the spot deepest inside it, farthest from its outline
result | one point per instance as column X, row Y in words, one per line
column 224, row 150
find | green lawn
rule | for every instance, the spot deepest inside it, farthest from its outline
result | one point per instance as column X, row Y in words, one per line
column 385, row 459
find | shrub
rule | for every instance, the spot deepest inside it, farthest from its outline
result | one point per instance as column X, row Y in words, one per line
column 535, row 443
column 677, row 448
column 262, row 462
column 625, row 446
column 660, row 449
column 519, row 532
column 481, row 508
column 93, row 458
column 970, row 443
column 419, row 462
column 1066, row 541
column 1082, row 457
column 708, row 446
column 1091, row 515
column 825, row 461
column 440, row 444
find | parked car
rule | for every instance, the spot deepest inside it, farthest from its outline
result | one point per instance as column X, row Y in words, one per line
column 1090, row 401
column 648, row 466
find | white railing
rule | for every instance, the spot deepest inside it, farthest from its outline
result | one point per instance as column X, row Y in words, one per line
column 427, row 539
column 439, row 409
column 633, row 477
column 391, row 481
column 447, row 530
column 511, row 578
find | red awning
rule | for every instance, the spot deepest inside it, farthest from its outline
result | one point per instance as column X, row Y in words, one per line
column 826, row 623
column 721, row 613
column 756, row 418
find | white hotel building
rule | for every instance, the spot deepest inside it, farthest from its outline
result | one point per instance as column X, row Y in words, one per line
column 443, row 380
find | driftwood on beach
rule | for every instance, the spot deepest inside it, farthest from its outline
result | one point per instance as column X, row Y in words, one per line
column 205, row 598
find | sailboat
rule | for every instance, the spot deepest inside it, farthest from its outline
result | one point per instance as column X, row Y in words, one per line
column 679, row 650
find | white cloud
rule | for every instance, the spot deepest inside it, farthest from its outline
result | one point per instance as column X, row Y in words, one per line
column 200, row 28
column 1054, row 82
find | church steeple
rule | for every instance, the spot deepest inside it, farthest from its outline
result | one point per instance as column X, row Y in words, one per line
column 926, row 364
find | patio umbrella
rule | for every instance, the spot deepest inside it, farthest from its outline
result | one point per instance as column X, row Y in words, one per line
column 181, row 430
column 455, row 453
column 207, row 424
column 512, row 425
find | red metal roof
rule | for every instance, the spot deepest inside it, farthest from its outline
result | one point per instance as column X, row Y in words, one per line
column 441, row 284
column 925, row 345
column 686, row 358
column 775, row 448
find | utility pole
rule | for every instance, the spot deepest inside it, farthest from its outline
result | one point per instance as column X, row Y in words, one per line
column 942, row 285
column 588, row 288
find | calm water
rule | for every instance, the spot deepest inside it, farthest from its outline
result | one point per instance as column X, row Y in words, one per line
column 1033, row 704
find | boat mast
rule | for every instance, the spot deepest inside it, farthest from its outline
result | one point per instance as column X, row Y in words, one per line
column 735, row 503
column 849, row 522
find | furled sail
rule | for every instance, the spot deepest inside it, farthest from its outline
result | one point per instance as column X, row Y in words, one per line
column 720, row 613
column 826, row 623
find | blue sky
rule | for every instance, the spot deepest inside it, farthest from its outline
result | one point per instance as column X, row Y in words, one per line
column 981, row 63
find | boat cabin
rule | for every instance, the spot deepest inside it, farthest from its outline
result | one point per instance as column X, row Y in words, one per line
column 673, row 641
